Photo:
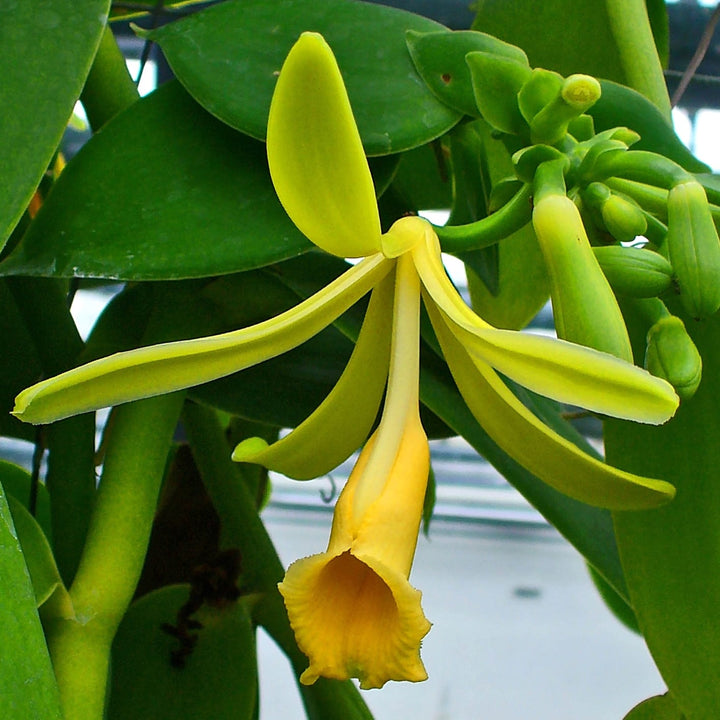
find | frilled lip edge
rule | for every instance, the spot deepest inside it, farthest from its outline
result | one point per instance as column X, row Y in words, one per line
column 355, row 617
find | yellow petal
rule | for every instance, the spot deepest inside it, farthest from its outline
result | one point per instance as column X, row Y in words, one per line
column 164, row 368
column 316, row 158
column 353, row 617
column 549, row 456
column 560, row 370
column 343, row 421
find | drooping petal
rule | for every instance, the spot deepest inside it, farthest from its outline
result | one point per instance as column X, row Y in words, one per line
column 557, row 369
column 552, row 458
column 343, row 421
column 316, row 158
column 167, row 367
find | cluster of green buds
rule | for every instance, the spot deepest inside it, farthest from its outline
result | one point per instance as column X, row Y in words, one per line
column 617, row 227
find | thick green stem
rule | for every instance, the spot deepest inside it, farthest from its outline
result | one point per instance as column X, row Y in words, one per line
column 262, row 569
column 114, row 553
column 512, row 216
column 109, row 87
column 630, row 26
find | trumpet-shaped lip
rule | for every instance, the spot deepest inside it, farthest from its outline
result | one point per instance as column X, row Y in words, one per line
column 354, row 617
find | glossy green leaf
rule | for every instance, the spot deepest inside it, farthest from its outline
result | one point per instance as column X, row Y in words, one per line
column 47, row 51
column 617, row 605
column 660, row 707
column 219, row 677
column 440, row 59
column 671, row 556
column 27, row 682
column 165, row 191
column 496, row 82
column 422, row 180
column 228, row 57
column 620, row 106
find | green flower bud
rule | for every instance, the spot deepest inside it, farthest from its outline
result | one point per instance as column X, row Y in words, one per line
column 671, row 354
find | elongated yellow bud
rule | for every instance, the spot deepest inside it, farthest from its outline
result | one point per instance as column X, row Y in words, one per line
column 585, row 308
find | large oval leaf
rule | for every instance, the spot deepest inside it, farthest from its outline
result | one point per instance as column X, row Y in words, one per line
column 47, row 50
column 217, row 678
column 165, row 191
column 228, row 57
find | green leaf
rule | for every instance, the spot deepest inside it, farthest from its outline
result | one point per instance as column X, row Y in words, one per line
column 27, row 682
column 496, row 82
column 227, row 57
column 165, row 191
column 620, row 106
column 440, row 59
column 660, row 707
column 47, row 50
column 219, row 677
column 671, row 555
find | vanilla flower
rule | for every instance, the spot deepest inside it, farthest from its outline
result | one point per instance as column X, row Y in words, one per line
column 352, row 608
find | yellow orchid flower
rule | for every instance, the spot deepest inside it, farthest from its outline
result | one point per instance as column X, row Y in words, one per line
column 352, row 607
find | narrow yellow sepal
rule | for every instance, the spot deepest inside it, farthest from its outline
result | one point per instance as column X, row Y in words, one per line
column 316, row 158
column 160, row 369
